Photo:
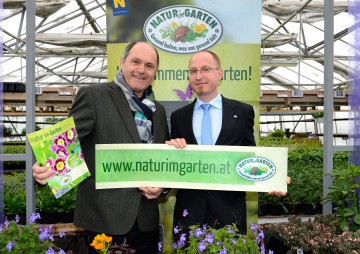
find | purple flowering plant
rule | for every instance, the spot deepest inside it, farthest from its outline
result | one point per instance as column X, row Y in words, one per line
column 32, row 238
column 226, row 240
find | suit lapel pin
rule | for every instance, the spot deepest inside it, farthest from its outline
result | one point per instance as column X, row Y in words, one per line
column 235, row 116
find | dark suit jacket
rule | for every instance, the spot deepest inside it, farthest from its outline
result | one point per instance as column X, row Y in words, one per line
column 102, row 116
column 227, row 207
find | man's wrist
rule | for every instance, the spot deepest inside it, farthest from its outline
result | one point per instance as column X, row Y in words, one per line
column 165, row 192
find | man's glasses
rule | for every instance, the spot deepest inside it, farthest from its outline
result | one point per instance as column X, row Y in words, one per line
column 204, row 70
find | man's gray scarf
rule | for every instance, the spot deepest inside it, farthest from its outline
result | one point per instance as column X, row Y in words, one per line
column 143, row 108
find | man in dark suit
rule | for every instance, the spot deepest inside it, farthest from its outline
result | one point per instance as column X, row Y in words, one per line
column 231, row 124
column 123, row 111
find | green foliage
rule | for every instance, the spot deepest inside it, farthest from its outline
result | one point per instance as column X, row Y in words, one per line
column 277, row 134
column 14, row 194
column 16, row 149
column 46, row 201
column 15, row 197
column 53, row 120
column 16, row 238
column 300, row 135
column 7, row 131
column 305, row 167
column 340, row 159
column 318, row 114
column 344, row 196
column 289, row 143
column 305, row 171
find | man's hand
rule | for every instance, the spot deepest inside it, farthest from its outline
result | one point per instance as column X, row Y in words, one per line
column 280, row 193
column 177, row 142
column 151, row 192
column 41, row 173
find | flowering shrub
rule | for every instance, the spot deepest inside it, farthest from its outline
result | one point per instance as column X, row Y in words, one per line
column 224, row 240
column 33, row 238
column 318, row 236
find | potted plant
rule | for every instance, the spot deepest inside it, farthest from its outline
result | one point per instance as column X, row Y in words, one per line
column 55, row 210
column 344, row 195
column 67, row 205
column 305, row 169
column 262, row 204
column 273, row 205
column 52, row 210
column 15, row 195
column 277, row 134
column 47, row 205
column 311, row 190
column 292, row 200
column 318, row 117
column 205, row 239
column 32, row 238
column 319, row 235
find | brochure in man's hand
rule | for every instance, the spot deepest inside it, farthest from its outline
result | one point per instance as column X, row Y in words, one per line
column 58, row 147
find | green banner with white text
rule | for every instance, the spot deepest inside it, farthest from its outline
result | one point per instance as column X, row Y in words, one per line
column 233, row 168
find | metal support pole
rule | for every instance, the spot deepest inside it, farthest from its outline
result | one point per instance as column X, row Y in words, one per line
column 328, row 99
column 30, row 103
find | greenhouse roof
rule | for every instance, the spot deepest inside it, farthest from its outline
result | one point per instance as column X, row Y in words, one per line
column 71, row 43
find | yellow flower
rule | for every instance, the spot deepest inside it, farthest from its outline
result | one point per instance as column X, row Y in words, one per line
column 60, row 142
column 101, row 243
column 102, row 237
column 70, row 134
column 60, row 165
column 99, row 246
column 199, row 28
column 108, row 239
column 174, row 24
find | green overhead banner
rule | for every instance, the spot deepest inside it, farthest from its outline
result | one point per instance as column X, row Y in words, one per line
column 236, row 168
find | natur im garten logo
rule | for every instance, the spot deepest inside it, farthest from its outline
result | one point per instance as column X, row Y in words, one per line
column 255, row 169
column 182, row 29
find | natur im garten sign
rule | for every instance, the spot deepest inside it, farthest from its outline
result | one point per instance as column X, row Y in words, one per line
column 236, row 168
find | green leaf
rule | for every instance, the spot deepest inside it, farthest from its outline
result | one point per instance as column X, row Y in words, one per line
column 357, row 219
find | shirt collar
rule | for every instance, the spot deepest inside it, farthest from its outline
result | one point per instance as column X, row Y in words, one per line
column 216, row 102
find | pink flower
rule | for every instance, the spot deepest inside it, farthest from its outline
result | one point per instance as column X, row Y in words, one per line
column 70, row 136
column 60, row 141
column 60, row 165
column 61, row 151
column 50, row 164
